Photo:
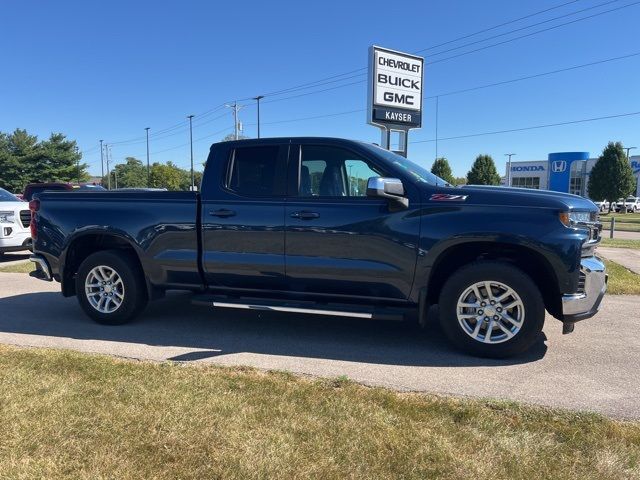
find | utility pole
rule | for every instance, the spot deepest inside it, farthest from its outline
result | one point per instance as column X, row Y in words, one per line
column 101, row 161
column 193, row 181
column 257, row 99
column 509, row 168
column 437, row 105
column 236, row 108
column 148, row 166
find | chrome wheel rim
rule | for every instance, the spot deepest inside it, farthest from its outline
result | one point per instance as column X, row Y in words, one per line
column 104, row 289
column 490, row 312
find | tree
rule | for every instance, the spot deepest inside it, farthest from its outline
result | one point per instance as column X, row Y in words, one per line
column 460, row 181
column 167, row 176
column 59, row 160
column 442, row 169
column 483, row 172
column 23, row 160
column 611, row 177
column 18, row 153
column 131, row 174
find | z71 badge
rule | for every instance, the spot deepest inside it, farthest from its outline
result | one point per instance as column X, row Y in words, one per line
column 446, row 197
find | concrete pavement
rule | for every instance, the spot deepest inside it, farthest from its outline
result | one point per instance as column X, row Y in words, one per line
column 622, row 235
column 595, row 368
column 627, row 257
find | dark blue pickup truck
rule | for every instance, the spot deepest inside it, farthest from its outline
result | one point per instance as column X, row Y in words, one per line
column 331, row 227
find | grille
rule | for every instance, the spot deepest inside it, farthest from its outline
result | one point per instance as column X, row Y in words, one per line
column 581, row 282
column 25, row 218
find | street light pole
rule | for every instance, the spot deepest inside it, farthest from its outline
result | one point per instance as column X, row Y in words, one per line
column 257, row 99
column 437, row 108
column 108, row 172
column 509, row 168
column 101, row 161
column 148, row 165
column 193, row 182
column 628, row 149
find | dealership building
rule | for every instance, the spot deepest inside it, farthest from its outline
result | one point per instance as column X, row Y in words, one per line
column 561, row 172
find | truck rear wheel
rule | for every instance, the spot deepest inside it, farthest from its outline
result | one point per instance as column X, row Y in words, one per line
column 491, row 309
column 110, row 288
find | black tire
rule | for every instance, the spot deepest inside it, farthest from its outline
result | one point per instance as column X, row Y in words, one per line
column 508, row 275
column 135, row 292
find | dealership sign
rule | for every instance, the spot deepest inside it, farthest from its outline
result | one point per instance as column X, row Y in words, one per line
column 395, row 89
column 527, row 168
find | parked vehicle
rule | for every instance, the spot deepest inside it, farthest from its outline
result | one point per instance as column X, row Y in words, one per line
column 31, row 189
column 603, row 205
column 331, row 227
column 14, row 223
column 632, row 204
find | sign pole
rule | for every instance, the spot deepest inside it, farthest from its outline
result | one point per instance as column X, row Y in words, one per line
column 395, row 94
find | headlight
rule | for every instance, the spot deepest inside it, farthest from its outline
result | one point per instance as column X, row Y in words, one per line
column 573, row 218
column 7, row 217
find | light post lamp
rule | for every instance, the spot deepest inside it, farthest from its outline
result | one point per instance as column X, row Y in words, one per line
column 190, row 117
column 101, row 161
column 257, row 99
column 148, row 165
column 509, row 168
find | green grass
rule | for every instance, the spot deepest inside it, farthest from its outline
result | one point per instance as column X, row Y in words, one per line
column 71, row 415
column 620, row 242
column 621, row 280
column 24, row 267
column 619, row 216
column 621, row 227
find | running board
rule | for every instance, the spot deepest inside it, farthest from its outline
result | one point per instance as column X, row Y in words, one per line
column 307, row 308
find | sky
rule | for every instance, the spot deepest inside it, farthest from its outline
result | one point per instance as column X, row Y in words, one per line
column 106, row 70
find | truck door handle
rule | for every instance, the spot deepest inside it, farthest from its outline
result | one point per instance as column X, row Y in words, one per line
column 305, row 215
column 223, row 212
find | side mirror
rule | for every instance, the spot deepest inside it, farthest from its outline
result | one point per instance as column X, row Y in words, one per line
column 389, row 188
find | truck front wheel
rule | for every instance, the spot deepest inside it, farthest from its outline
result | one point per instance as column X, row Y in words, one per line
column 110, row 288
column 491, row 309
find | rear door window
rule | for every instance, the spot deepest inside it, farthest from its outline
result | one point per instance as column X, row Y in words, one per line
column 256, row 171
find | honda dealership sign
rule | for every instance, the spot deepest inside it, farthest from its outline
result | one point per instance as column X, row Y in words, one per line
column 395, row 89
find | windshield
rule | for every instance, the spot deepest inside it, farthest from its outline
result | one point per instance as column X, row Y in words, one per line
column 631, row 199
column 416, row 172
column 7, row 197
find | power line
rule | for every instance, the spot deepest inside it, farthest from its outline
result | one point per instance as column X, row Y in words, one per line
column 548, row 125
column 536, row 75
column 335, row 78
column 455, row 92
column 497, row 26
column 531, row 34
column 313, row 83
column 525, row 27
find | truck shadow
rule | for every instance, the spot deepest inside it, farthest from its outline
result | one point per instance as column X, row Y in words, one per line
column 174, row 322
column 14, row 257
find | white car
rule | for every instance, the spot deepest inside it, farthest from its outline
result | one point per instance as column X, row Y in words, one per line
column 603, row 205
column 632, row 204
column 15, row 234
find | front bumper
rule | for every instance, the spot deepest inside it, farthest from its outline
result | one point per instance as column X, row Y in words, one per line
column 586, row 303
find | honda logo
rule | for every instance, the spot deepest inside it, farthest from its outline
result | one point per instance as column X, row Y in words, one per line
column 559, row 166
